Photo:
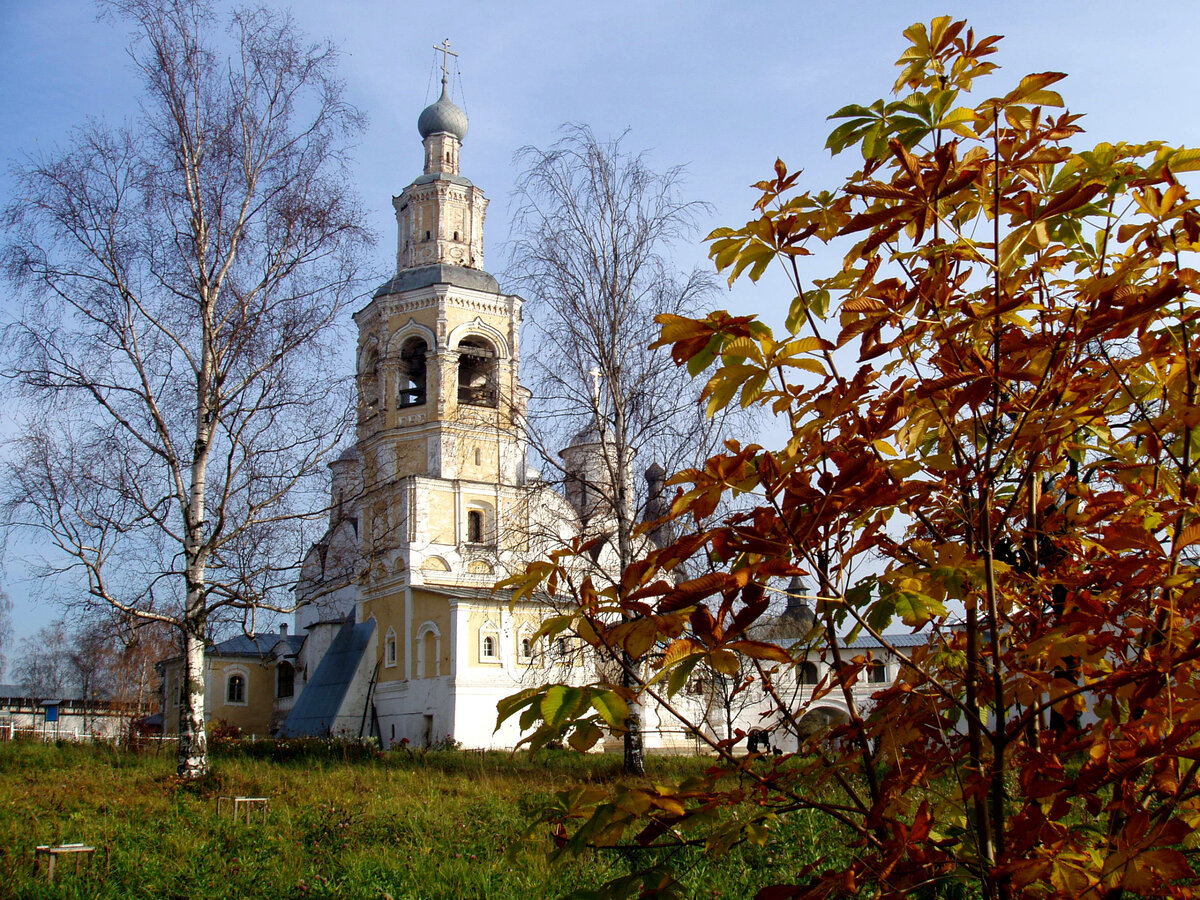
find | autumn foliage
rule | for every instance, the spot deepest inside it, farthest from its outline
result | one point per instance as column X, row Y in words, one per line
column 994, row 408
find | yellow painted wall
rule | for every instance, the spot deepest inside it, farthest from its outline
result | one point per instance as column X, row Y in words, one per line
column 433, row 608
column 388, row 610
column 475, row 621
column 255, row 716
column 412, row 457
column 442, row 524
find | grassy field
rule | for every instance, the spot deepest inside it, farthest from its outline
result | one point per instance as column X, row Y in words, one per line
column 399, row 825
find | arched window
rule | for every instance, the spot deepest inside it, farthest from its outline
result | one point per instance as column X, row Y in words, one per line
column 525, row 644
column 235, row 689
column 477, row 373
column 877, row 673
column 808, row 673
column 474, row 526
column 285, row 680
column 413, row 376
column 489, row 643
column 389, row 649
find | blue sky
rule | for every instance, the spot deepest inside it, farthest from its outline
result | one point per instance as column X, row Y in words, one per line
column 721, row 87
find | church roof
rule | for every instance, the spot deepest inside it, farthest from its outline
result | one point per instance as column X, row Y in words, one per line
column 321, row 700
column 431, row 177
column 442, row 116
column 424, row 276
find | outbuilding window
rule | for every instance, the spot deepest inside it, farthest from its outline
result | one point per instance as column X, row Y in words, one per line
column 285, row 680
column 235, row 689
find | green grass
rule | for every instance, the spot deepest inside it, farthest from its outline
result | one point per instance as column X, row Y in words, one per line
column 402, row 826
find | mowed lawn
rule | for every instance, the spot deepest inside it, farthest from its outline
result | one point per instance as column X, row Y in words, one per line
column 446, row 824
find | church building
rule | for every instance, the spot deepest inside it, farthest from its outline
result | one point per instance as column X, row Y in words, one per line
column 398, row 631
column 405, row 638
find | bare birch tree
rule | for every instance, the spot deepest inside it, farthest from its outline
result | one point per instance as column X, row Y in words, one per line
column 592, row 231
column 183, row 278
column 5, row 629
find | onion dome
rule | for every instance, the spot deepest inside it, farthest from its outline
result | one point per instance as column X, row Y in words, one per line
column 443, row 116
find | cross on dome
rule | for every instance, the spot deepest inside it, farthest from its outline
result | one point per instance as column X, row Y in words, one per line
column 444, row 49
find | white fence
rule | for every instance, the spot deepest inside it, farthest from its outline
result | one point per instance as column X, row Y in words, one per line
column 10, row 731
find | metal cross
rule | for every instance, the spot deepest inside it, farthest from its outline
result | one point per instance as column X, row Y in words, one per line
column 444, row 49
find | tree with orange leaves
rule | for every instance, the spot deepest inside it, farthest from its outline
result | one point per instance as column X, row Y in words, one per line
column 995, row 403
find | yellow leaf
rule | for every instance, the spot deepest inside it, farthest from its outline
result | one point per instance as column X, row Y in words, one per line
column 724, row 661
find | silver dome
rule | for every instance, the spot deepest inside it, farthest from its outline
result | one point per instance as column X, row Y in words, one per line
column 442, row 116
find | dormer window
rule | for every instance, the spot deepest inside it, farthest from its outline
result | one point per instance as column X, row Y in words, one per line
column 412, row 373
column 477, row 373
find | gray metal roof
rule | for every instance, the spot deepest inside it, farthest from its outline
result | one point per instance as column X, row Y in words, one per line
column 424, row 276
column 433, row 177
column 16, row 692
column 319, row 702
column 259, row 645
column 895, row 640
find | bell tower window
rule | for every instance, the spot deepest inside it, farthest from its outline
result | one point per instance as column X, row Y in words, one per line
column 369, row 380
column 474, row 527
column 477, row 373
column 412, row 373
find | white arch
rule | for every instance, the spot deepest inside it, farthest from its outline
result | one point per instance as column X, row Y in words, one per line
column 231, row 672
column 411, row 328
column 369, row 345
column 422, row 669
column 482, row 329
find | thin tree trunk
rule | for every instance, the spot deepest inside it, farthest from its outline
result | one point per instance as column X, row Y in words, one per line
column 634, row 756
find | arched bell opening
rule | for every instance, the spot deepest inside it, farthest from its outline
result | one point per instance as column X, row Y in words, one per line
column 477, row 373
column 413, row 375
